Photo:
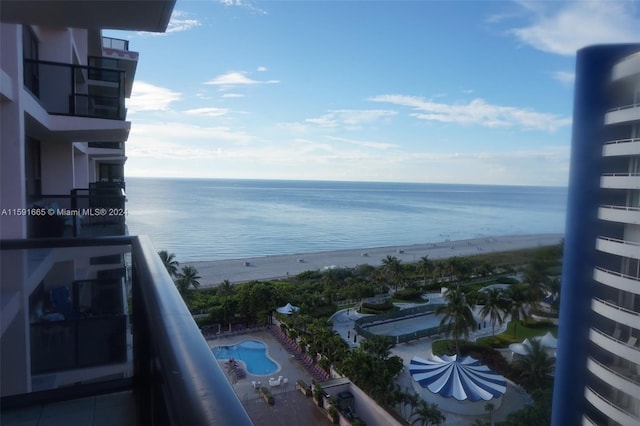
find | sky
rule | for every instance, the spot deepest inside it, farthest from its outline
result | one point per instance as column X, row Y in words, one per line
column 475, row 92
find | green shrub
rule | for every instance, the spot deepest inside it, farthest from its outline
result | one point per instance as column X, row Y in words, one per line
column 408, row 294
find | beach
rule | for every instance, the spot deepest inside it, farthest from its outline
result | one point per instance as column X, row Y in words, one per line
column 281, row 266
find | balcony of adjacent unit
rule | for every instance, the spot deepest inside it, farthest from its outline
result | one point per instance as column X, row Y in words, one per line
column 627, row 113
column 617, row 280
column 609, row 309
column 614, row 343
column 89, row 316
column 621, row 180
column 610, row 410
column 117, row 51
column 80, row 103
column 620, row 214
column 618, row 247
column 623, row 378
column 621, row 147
column 149, row 15
column 99, row 150
column 97, row 211
column 628, row 67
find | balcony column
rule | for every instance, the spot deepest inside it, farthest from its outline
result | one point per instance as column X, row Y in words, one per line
column 15, row 347
column 12, row 137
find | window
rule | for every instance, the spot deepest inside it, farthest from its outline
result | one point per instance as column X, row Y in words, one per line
column 31, row 69
column 32, row 169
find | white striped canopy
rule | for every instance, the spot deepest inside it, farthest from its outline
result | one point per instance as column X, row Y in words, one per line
column 463, row 378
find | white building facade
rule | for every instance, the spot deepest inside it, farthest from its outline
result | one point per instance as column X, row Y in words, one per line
column 598, row 369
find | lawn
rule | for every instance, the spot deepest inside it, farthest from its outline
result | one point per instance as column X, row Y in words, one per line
column 525, row 330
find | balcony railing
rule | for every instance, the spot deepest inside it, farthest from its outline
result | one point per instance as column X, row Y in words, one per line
column 77, row 90
column 176, row 379
column 115, row 43
column 97, row 211
column 106, row 145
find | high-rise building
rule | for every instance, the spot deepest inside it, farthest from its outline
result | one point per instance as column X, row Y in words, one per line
column 598, row 361
column 85, row 308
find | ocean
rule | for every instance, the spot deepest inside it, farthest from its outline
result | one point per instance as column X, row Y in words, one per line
column 215, row 219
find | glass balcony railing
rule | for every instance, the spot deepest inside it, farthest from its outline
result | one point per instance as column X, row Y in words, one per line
column 85, row 91
column 97, row 211
column 115, row 43
column 174, row 376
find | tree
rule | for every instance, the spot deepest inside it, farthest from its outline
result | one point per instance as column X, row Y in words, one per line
column 187, row 278
column 225, row 289
column 536, row 364
column 393, row 270
column 458, row 317
column 493, row 308
column 170, row 263
column 428, row 414
column 517, row 305
column 425, row 266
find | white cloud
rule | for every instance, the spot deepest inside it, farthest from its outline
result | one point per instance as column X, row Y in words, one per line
column 233, row 95
column 564, row 77
column 236, row 78
column 178, row 22
column 261, row 69
column 147, row 97
column 350, row 117
column 365, row 144
column 244, row 4
column 577, row 24
column 209, row 112
column 477, row 112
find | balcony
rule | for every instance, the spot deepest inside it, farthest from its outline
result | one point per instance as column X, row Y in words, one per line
column 624, row 379
column 620, row 181
column 609, row 409
column 628, row 67
column 617, row 280
column 615, row 313
column 618, row 247
column 620, row 147
column 623, row 114
column 175, row 378
column 149, row 15
column 621, row 214
column 97, row 211
column 75, row 90
column 613, row 345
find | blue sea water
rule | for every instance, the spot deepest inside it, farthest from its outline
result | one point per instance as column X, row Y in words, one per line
column 214, row 219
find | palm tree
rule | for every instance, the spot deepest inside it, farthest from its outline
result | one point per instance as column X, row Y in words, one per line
column 428, row 414
column 170, row 262
column 458, row 317
column 489, row 407
column 188, row 277
column 393, row 270
column 225, row 289
column 425, row 266
column 493, row 308
column 517, row 305
column 536, row 364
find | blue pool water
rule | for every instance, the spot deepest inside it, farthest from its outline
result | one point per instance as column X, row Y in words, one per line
column 252, row 353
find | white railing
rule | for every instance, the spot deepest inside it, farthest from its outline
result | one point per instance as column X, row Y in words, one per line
column 624, row 107
column 619, row 141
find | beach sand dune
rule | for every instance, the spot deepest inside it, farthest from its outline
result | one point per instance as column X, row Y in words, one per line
column 280, row 266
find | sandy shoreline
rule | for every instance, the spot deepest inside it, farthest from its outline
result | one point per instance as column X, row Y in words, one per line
column 279, row 266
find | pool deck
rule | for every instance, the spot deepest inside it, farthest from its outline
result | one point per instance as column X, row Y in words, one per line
column 291, row 407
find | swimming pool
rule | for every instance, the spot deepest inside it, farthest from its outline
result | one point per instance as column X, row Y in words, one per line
column 252, row 352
